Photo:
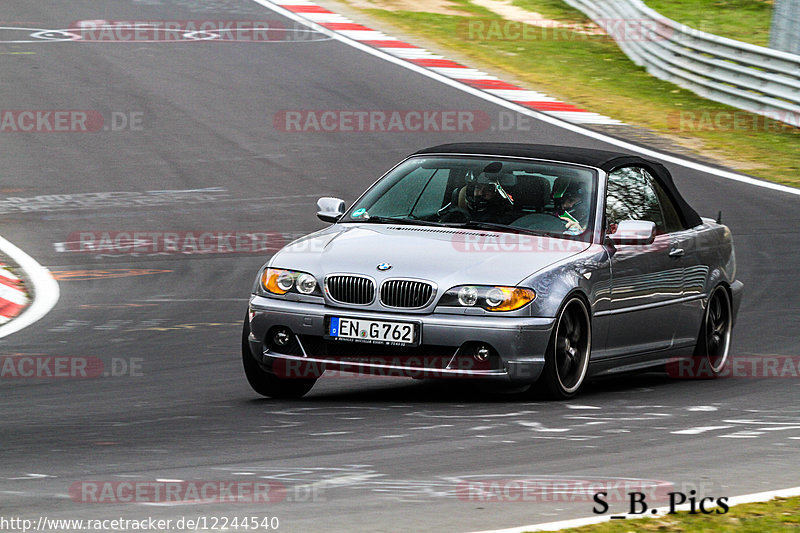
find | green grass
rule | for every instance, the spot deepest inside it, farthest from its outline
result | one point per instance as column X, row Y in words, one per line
column 781, row 515
column 554, row 9
column 743, row 20
column 592, row 72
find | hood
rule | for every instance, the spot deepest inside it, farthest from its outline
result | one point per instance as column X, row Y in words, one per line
column 445, row 256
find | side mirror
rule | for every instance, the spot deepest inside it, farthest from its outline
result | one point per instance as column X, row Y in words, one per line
column 634, row 232
column 330, row 209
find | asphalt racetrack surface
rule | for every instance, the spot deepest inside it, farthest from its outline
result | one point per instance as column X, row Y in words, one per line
column 169, row 401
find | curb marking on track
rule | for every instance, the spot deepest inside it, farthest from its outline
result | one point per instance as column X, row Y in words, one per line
column 43, row 286
column 13, row 297
column 440, row 65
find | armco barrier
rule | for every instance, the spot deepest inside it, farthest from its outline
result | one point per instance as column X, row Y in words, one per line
column 746, row 76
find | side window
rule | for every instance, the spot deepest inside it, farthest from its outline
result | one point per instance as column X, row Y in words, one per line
column 672, row 220
column 631, row 196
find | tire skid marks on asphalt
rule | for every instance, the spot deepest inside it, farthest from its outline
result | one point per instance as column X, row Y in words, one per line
column 248, row 205
column 592, row 422
column 356, row 477
column 159, row 325
column 232, row 7
column 455, row 71
column 93, row 274
column 115, row 244
column 156, row 35
column 366, row 478
column 101, row 200
column 72, row 325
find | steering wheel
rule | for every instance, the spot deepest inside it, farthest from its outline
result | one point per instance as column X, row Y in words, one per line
column 455, row 214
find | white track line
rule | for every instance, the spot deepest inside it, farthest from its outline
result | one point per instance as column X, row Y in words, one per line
column 45, row 289
column 298, row 17
column 578, row 522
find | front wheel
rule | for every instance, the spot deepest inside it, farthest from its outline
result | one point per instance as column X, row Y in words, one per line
column 267, row 383
column 567, row 357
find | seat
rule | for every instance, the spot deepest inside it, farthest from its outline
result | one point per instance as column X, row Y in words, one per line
column 459, row 197
column 531, row 193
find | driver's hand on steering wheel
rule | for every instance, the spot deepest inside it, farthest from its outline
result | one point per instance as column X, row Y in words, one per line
column 454, row 214
column 571, row 225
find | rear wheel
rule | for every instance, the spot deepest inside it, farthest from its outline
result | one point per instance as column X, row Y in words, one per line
column 267, row 383
column 714, row 339
column 567, row 357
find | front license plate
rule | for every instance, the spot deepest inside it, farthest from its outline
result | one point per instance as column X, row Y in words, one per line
column 372, row 331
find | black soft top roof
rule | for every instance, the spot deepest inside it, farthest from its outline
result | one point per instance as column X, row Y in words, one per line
column 605, row 160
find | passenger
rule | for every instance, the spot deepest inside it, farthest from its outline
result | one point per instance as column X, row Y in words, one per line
column 568, row 199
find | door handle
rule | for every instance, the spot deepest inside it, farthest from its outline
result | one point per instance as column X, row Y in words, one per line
column 676, row 252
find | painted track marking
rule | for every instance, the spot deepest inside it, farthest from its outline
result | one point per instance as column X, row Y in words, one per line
column 44, row 287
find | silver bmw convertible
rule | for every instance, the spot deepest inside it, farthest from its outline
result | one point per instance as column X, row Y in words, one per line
column 540, row 266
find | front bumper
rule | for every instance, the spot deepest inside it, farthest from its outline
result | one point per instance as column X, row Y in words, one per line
column 447, row 344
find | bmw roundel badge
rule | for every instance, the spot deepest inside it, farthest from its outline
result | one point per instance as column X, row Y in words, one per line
column 384, row 266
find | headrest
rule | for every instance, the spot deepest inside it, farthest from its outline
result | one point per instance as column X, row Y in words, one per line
column 506, row 179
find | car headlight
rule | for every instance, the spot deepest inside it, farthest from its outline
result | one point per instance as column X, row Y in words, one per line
column 491, row 298
column 280, row 281
column 468, row 296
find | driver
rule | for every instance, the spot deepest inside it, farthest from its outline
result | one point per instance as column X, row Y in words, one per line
column 569, row 205
column 485, row 198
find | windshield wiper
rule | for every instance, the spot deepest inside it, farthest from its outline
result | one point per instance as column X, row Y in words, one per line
column 399, row 220
column 475, row 224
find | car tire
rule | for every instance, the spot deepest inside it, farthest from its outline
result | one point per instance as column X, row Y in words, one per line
column 714, row 338
column 568, row 352
column 266, row 383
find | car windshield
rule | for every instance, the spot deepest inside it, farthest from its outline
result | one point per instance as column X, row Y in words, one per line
column 482, row 192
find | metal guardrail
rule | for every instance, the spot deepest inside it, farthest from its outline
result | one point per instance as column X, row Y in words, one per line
column 742, row 75
column 784, row 34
